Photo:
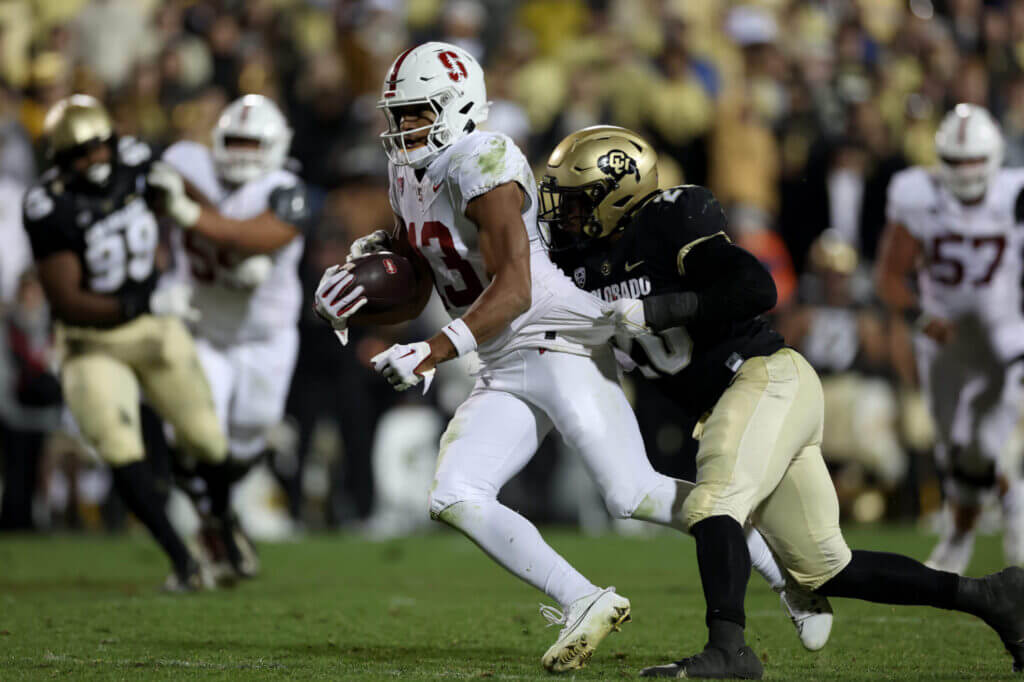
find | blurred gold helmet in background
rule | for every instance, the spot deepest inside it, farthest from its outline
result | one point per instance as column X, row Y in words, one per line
column 74, row 122
column 831, row 253
column 594, row 178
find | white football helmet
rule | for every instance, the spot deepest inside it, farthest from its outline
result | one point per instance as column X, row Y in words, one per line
column 443, row 77
column 253, row 118
column 970, row 150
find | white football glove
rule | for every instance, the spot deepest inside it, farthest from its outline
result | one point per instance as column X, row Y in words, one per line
column 336, row 299
column 398, row 365
column 252, row 272
column 175, row 300
column 179, row 206
column 374, row 242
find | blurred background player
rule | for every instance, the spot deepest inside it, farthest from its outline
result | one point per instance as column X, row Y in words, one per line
column 240, row 251
column 957, row 229
column 94, row 239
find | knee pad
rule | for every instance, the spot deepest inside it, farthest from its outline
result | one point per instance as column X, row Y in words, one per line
column 452, row 490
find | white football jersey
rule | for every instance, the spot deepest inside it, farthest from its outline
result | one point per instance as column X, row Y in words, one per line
column 232, row 313
column 972, row 253
column 434, row 212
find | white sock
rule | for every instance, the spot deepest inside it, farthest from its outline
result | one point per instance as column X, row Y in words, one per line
column 663, row 505
column 515, row 543
column 763, row 560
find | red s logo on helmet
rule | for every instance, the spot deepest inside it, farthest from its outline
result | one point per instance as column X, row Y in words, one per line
column 456, row 69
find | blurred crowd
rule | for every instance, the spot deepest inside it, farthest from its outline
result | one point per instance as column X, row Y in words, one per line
column 794, row 112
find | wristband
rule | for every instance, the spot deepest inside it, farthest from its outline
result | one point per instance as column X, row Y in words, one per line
column 461, row 337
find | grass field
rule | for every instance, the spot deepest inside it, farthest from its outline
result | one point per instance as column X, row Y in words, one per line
column 432, row 607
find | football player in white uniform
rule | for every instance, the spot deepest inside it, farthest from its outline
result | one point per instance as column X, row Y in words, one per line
column 241, row 253
column 956, row 228
column 466, row 205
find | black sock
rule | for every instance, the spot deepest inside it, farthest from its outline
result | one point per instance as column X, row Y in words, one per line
column 724, row 563
column 134, row 482
column 893, row 579
column 219, row 478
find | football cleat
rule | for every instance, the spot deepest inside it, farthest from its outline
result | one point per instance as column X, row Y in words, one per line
column 811, row 615
column 999, row 601
column 198, row 577
column 241, row 553
column 587, row 621
column 712, row 663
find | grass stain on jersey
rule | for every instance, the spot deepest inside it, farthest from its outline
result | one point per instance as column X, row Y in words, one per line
column 493, row 161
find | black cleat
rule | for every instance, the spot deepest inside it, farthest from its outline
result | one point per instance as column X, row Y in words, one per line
column 712, row 663
column 1000, row 598
column 241, row 553
column 194, row 578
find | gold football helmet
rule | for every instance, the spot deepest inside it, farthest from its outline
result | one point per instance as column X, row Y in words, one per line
column 74, row 123
column 832, row 253
column 594, row 179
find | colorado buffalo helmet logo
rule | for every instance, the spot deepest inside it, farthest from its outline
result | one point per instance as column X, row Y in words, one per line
column 618, row 164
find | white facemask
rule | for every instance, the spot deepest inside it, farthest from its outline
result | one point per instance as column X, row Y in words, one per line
column 98, row 173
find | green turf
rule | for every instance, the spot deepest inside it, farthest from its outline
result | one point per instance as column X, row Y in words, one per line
column 432, row 607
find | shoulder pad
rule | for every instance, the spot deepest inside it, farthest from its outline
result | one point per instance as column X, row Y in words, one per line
column 290, row 203
column 38, row 203
column 133, row 152
column 912, row 187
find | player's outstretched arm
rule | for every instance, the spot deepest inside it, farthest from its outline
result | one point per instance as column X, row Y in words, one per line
column 506, row 251
column 264, row 233
column 898, row 253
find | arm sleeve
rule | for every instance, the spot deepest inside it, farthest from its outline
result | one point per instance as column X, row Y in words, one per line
column 134, row 153
column 290, row 203
column 495, row 161
column 729, row 285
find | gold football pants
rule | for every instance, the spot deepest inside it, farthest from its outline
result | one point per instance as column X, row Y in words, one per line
column 105, row 371
column 760, row 457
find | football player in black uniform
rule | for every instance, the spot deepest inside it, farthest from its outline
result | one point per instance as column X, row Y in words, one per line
column 94, row 239
column 690, row 300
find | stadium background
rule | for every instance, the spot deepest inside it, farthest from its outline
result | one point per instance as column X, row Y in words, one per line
column 795, row 112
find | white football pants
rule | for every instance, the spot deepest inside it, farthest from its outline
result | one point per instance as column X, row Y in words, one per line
column 250, row 383
column 514, row 404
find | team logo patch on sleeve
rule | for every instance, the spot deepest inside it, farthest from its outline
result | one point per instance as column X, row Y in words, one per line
column 618, row 164
column 580, row 276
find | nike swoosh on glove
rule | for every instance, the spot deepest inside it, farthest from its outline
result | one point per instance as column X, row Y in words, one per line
column 336, row 299
column 398, row 365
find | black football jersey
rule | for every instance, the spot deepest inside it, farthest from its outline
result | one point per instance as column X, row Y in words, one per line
column 693, row 365
column 110, row 229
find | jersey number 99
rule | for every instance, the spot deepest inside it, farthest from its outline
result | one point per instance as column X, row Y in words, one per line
column 119, row 254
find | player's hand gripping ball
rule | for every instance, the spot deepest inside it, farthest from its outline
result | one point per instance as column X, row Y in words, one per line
column 371, row 284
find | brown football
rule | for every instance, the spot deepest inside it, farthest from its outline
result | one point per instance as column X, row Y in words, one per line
column 388, row 281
